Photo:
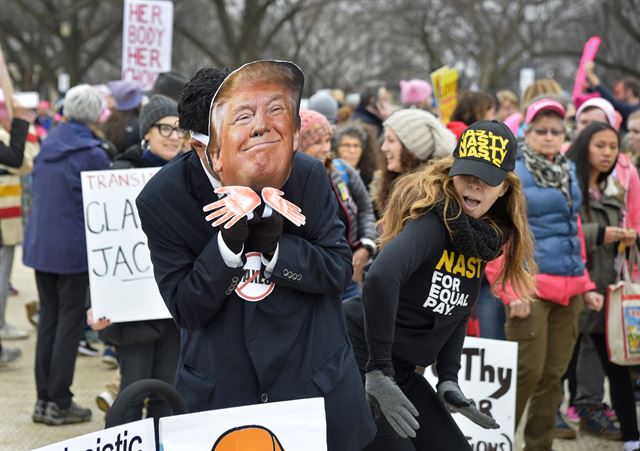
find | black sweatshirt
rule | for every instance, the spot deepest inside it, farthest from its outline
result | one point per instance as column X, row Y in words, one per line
column 417, row 298
column 13, row 154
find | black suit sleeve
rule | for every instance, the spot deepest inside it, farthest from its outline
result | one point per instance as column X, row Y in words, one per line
column 399, row 259
column 13, row 155
column 194, row 287
column 448, row 361
column 318, row 262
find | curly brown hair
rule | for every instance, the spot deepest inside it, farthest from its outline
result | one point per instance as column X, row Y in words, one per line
column 416, row 193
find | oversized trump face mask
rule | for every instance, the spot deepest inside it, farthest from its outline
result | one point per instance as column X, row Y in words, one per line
column 254, row 130
column 254, row 125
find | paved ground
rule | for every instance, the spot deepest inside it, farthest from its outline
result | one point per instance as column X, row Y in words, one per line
column 17, row 388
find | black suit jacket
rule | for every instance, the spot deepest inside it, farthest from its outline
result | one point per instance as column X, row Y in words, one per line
column 291, row 345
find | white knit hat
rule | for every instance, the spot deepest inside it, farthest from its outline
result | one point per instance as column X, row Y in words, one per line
column 421, row 133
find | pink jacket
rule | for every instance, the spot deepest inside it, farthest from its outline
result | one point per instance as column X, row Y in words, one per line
column 627, row 175
column 549, row 287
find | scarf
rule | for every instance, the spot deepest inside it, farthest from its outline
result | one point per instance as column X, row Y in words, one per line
column 552, row 173
column 470, row 236
column 152, row 159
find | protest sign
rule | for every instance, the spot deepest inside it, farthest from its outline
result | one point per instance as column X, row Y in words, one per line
column 445, row 90
column 435, row 82
column 286, row 426
column 588, row 54
column 487, row 376
column 138, row 436
column 120, row 272
column 147, row 35
column 448, row 93
column 527, row 77
column 5, row 85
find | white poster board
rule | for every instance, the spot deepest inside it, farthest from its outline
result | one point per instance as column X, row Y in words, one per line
column 147, row 34
column 292, row 425
column 120, row 272
column 527, row 77
column 488, row 376
column 136, row 436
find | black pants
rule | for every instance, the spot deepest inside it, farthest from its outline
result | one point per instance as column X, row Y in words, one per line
column 622, row 396
column 438, row 431
column 62, row 315
column 157, row 359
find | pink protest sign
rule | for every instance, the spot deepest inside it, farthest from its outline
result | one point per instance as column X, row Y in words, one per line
column 147, row 35
column 588, row 54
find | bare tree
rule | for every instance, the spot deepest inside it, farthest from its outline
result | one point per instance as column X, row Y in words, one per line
column 338, row 43
column 43, row 38
column 240, row 31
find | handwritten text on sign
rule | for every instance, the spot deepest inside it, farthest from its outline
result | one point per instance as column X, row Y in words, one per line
column 120, row 270
column 488, row 375
column 136, row 436
column 147, row 35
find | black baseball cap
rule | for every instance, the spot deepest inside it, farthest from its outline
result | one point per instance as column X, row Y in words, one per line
column 487, row 150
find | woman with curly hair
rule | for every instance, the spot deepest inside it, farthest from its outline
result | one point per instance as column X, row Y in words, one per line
column 441, row 226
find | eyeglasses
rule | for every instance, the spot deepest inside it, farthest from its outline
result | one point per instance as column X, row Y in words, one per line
column 544, row 131
column 166, row 130
column 354, row 145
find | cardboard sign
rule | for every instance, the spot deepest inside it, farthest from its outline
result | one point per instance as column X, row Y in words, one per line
column 147, row 35
column 448, row 94
column 445, row 90
column 526, row 78
column 435, row 82
column 138, row 436
column 5, row 84
column 120, row 272
column 488, row 376
column 280, row 426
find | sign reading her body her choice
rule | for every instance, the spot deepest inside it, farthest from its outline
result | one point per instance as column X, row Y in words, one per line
column 147, row 34
column 136, row 436
column 487, row 376
column 280, row 426
column 254, row 132
column 120, row 272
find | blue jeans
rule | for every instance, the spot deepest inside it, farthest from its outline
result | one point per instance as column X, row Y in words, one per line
column 490, row 311
column 352, row 290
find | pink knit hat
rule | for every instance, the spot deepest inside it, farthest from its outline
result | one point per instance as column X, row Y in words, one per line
column 314, row 127
column 414, row 92
column 602, row 104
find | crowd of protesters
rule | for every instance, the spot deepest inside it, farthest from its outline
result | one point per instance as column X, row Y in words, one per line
column 579, row 176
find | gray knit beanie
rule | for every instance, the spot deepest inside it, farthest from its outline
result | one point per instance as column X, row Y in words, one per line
column 422, row 133
column 156, row 108
column 83, row 103
column 324, row 103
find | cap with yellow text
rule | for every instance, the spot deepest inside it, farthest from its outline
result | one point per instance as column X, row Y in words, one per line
column 487, row 150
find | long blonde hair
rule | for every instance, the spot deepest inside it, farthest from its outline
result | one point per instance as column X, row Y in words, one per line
column 416, row 193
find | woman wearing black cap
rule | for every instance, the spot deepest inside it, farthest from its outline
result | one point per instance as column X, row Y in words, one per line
column 441, row 227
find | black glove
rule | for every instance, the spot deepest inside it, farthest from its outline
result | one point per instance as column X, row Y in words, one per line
column 452, row 397
column 265, row 233
column 235, row 236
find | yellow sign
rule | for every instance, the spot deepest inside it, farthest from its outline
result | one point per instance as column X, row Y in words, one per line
column 445, row 88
